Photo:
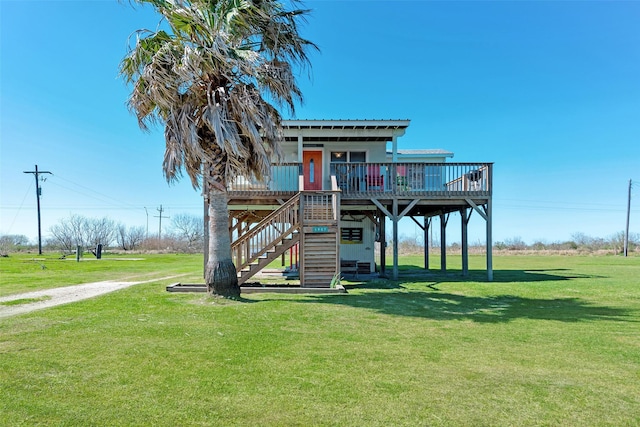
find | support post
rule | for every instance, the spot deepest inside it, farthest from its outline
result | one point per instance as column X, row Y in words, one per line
column 301, row 254
column 394, row 154
column 465, row 242
column 626, row 231
column 383, row 244
column 489, row 242
column 300, row 150
column 395, row 239
column 443, row 242
column 425, row 238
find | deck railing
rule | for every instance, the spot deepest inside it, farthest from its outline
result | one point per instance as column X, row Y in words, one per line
column 320, row 207
column 283, row 179
column 424, row 179
column 370, row 179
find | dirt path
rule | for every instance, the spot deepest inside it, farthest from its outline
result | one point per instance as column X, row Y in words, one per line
column 65, row 295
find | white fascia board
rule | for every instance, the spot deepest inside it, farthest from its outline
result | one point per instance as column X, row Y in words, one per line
column 328, row 124
column 338, row 132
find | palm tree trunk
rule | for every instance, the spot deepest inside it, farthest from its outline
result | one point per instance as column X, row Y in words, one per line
column 220, row 273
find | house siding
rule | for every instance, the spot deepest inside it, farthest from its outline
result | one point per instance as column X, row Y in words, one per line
column 362, row 252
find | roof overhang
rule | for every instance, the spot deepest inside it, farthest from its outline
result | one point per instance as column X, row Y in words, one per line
column 344, row 130
column 428, row 153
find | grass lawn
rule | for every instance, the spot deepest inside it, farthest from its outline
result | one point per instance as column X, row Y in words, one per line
column 28, row 272
column 552, row 341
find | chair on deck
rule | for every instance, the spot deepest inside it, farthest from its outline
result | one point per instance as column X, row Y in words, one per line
column 473, row 179
column 342, row 177
column 402, row 183
column 374, row 179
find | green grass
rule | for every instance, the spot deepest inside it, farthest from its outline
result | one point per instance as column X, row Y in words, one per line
column 28, row 272
column 552, row 341
column 24, row 301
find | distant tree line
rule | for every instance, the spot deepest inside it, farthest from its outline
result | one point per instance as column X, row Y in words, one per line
column 579, row 242
column 185, row 234
column 12, row 243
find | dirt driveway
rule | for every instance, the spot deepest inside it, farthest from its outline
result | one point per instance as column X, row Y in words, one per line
column 58, row 296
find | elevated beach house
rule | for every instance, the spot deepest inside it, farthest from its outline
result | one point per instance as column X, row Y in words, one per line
column 327, row 203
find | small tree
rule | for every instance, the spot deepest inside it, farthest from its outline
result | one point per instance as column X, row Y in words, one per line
column 12, row 242
column 68, row 233
column 189, row 229
column 129, row 238
column 135, row 237
column 78, row 230
column 121, row 236
column 99, row 231
column 617, row 241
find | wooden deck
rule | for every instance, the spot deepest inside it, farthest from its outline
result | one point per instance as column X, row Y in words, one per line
column 380, row 190
column 379, row 180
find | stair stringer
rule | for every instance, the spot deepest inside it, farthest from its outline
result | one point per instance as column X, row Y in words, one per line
column 276, row 233
column 267, row 258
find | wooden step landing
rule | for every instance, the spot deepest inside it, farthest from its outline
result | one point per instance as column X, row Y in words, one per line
column 191, row 287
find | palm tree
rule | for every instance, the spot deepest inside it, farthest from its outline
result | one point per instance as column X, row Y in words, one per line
column 214, row 74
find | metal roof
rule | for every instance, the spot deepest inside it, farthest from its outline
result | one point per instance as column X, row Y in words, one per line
column 345, row 124
column 344, row 130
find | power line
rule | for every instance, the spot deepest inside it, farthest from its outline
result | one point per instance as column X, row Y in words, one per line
column 551, row 201
column 102, row 208
column 109, row 199
column 555, row 205
column 556, row 208
column 20, row 208
column 101, row 197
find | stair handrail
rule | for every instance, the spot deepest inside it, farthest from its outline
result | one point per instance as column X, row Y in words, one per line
column 238, row 247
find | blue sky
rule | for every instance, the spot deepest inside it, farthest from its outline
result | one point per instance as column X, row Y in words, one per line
column 549, row 91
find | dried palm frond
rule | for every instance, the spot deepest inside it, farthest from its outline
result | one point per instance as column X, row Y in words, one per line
column 207, row 79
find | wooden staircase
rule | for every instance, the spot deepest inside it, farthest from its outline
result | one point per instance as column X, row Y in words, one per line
column 265, row 242
column 316, row 230
column 319, row 261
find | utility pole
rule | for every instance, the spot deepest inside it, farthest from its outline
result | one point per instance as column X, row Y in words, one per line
column 36, row 174
column 160, row 210
column 147, row 212
column 626, row 232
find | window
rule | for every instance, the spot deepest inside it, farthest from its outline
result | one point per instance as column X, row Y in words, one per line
column 348, row 156
column 338, row 156
column 351, row 235
column 357, row 156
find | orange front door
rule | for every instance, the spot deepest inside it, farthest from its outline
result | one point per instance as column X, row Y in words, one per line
column 312, row 170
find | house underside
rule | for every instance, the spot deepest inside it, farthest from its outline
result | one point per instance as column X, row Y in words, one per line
column 329, row 200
